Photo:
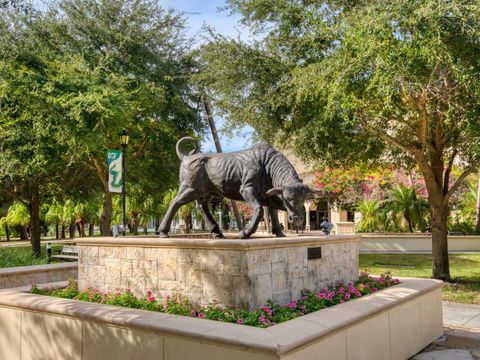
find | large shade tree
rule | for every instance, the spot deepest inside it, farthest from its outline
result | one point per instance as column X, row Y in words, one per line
column 30, row 151
column 123, row 65
column 341, row 81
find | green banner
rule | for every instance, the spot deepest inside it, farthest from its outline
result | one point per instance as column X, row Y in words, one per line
column 114, row 158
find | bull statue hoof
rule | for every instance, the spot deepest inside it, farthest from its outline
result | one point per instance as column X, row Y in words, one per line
column 243, row 235
column 215, row 235
column 280, row 234
column 164, row 234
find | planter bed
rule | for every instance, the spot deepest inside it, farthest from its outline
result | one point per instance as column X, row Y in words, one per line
column 394, row 323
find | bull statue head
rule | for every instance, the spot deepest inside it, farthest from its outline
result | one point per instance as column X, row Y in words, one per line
column 293, row 197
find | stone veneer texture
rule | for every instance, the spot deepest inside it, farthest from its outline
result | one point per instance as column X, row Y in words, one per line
column 240, row 277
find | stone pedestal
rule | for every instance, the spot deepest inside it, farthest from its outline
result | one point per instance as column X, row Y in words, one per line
column 242, row 273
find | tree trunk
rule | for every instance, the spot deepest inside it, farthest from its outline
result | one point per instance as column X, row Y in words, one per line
column 218, row 146
column 91, row 229
column 23, row 232
column 134, row 224
column 188, row 223
column 7, row 232
column 63, row 231
column 145, row 229
column 57, row 234
column 477, row 222
column 81, row 228
column 35, row 223
column 440, row 261
column 71, row 230
column 106, row 218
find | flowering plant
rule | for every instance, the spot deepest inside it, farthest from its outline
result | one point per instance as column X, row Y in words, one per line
column 269, row 314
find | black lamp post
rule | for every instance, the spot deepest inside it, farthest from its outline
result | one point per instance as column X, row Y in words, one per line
column 124, row 142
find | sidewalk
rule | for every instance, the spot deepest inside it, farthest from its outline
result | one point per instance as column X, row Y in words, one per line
column 461, row 315
column 461, row 340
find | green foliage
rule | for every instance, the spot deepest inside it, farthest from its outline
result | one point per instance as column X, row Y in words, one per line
column 268, row 315
column 339, row 82
column 370, row 209
column 18, row 256
column 75, row 73
column 18, row 215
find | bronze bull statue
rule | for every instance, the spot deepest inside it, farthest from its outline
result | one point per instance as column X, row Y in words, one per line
column 260, row 176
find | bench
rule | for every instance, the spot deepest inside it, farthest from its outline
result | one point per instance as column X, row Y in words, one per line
column 68, row 253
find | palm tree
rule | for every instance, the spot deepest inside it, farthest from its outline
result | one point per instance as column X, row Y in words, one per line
column 93, row 214
column 403, row 200
column 370, row 209
column 54, row 216
column 19, row 217
column 68, row 217
column 80, row 211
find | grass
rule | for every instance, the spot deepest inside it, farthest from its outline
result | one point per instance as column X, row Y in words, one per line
column 464, row 269
column 22, row 256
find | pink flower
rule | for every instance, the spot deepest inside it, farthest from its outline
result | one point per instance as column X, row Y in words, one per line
column 321, row 295
column 149, row 293
column 347, row 296
column 193, row 313
column 240, row 321
column 201, row 315
column 374, row 289
column 151, row 298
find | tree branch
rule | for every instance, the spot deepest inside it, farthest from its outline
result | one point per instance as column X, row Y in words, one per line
column 410, row 149
column 101, row 174
column 446, row 178
column 460, row 180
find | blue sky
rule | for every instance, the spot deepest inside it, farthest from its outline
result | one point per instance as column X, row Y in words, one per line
column 198, row 13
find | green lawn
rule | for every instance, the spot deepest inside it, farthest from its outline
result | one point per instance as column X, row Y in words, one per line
column 464, row 269
column 22, row 256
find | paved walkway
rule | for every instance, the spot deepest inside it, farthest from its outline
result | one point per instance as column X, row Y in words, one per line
column 461, row 340
column 461, row 315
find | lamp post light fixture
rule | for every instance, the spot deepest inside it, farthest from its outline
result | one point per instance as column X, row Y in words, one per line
column 124, row 142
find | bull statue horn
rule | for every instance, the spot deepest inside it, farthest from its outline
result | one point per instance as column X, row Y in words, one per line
column 274, row 191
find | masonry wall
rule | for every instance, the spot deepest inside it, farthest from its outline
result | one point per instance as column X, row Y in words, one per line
column 231, row 272
column 38, row 274
column 392, row 324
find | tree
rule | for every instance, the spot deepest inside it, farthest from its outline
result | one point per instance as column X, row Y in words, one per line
column 341, row 81
column 18, row 217
column 123, row 64
column 30, row 152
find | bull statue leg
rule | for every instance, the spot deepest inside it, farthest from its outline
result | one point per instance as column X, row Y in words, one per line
column 250, row 196
column 209, row 219
column 276, row 228
column 185, row 195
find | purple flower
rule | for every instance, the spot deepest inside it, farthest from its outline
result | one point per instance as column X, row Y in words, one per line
column 240, row 321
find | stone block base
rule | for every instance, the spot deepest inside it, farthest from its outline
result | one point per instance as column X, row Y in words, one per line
column 242, row 273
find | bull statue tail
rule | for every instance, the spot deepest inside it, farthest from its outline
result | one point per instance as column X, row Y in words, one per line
column 180, row 142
